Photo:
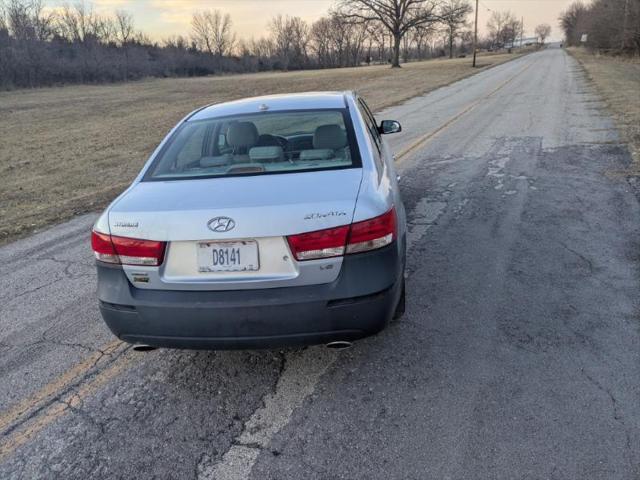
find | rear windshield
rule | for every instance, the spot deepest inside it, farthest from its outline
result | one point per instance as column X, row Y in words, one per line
column 263, row 143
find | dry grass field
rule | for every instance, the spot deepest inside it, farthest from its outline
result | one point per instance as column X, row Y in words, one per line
column 618, row 80
column 70, row 150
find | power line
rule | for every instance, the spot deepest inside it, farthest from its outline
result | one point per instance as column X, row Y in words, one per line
column 487, row 8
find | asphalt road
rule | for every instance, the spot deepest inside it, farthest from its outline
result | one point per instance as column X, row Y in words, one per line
column 518, row 357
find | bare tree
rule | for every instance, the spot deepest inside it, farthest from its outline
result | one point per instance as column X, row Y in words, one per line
column 30, row 26
column 80, row 24
column 71, row 23
column 358, row 38
column 321, row 42
column 543, row 31
column 503, row 27
column 421, row 36
column 28, row 20
column 569, row 21
column 279, row 29
column 513, row 29
column 466, row 40
column 377, row 33
column 611, row 25
column 291, row 38
column 406, row 47
column 331, row 41
column 212, row 32
column 263, row 48
column 3, row 20
column 495, row 26
column 124, row 27
column 397, row 16
column 299, row 35
column 124, row 34
column 454, row 17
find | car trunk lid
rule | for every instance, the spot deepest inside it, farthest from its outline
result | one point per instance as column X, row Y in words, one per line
column 260, row 206
column 263, row 209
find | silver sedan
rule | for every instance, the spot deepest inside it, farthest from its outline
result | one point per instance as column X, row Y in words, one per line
column 264, row 222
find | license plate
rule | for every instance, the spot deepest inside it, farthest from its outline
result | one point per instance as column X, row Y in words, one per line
column 228, row 256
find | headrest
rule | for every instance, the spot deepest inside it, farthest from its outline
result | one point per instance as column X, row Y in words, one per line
column 317, row 154
column 266, row 154
column 242, row 134
column 329, row 136
column 216, row 161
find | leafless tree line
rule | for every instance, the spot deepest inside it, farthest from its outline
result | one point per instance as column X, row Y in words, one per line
column 609, row 25
column 75, row 44
column 504, row 28
column 357, row 31
column 402, row 18
column 42, row 46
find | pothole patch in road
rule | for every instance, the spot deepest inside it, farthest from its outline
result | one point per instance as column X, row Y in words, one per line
column 506, row 182
column 424, row 214
column 496, row 171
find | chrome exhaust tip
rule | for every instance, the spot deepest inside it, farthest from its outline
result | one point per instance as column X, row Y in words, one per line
column 141, row 347
column 339, row 345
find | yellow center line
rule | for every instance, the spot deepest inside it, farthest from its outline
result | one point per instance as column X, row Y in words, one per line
column 421, row 141
column 60, row 406
column 34, row 413
column 51, row 389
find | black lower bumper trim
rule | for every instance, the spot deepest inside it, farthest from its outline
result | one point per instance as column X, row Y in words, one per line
column 235, row 343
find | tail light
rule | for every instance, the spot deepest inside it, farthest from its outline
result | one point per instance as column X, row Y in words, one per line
column 373, row 233
column 358, row 237
column 127, row 251
column 320, row 244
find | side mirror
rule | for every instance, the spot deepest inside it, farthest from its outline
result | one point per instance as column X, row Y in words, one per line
column 389, row 126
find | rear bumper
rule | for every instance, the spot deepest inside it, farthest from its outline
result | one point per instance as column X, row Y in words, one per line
column 359, row 303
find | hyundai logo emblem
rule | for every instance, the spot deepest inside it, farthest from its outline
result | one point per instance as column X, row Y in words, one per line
column 221, row 224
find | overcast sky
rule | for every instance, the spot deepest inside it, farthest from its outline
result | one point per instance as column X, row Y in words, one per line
column 162, row 18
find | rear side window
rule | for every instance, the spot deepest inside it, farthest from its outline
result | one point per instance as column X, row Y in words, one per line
column 374, row 134
column 262, row 143
column 370, row 122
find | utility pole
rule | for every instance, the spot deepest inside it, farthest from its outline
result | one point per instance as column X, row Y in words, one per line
column 624, row 25
column 475, row 36
column 521, row 31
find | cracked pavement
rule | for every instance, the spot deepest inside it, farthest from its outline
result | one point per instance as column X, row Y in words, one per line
column 518, row 357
